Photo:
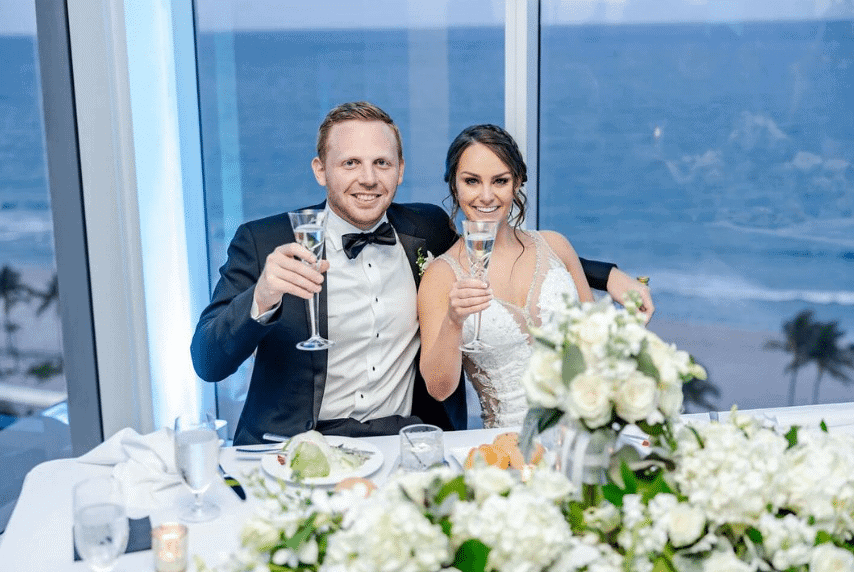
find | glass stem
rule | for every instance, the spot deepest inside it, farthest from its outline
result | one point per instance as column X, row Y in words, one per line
column 312, row 313
column 477, row 326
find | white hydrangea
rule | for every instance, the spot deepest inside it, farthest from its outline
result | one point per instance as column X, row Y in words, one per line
column 737, row 475
column 586, row 553
column 387, row 536
column 726, row 561
column 787, row 541
column 489, row 481
column 829, row 558
column 526, row 532
column 820, row 479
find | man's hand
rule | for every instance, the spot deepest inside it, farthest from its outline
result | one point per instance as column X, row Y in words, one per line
column 285, row 273
column 620, row 284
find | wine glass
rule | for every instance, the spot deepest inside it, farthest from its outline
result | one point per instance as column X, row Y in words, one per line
column 100, row 522
column 197, row 459
column 479, row 238
column 310, row 231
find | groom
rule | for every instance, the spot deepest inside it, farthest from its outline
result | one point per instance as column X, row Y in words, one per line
column 368, row 382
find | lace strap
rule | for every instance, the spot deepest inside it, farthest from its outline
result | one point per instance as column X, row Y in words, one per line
column 455, row 266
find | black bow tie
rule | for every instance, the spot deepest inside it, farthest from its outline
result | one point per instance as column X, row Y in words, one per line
column 354, row 242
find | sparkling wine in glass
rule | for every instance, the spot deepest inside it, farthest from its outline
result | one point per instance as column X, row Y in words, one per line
column 479, row 238
column 309, row 227
column 197, row 459
column 100, row 522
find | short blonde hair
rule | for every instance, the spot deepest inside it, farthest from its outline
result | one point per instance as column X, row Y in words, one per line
column 358, row 110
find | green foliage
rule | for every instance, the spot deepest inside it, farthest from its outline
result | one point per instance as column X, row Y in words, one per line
column 573, row 363
column 471, row 556
column 646, row 365
column 792, row 436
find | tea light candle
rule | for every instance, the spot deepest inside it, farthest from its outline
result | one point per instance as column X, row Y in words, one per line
column 169, row 545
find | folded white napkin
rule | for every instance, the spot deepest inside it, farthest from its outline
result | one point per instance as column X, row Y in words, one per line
column 144, row 464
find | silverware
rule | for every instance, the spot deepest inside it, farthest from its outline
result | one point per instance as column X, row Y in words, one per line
column 364, row 455
column 233, row 483
column 259, row 450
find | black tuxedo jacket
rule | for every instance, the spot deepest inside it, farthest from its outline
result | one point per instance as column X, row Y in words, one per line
column 287, row 384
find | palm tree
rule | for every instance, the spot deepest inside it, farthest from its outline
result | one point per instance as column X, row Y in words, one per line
column 49, row 296
column 800, row 334
column 828, row 356
column 699, row 392
column 12, row 291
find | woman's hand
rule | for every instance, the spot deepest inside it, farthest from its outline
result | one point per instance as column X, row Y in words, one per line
column 466, row 297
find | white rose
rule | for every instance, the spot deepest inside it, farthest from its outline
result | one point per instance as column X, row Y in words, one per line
column 829, row 558
column 589, row 399
column 725, row 562
column 542, row 379
column 671, row 400
column 593, row 330
column 635, row 398
column 685, row 524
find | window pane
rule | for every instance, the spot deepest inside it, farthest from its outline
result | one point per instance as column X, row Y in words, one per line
column 712, row 151
column 33, row 422
column 268, row 77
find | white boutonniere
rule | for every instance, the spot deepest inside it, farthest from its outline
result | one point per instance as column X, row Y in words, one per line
column 423, row 261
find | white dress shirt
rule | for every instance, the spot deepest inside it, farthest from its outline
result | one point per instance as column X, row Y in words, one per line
column 373, row 320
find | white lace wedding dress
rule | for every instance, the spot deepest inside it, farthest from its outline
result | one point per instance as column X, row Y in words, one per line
column 497, row 374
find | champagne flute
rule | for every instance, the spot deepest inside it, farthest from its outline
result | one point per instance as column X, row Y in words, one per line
column 100, row 522
column 310, row 231
column 479, row 238
column 197, row 459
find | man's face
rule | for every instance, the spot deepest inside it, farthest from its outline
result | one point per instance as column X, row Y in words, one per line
column 361, row 171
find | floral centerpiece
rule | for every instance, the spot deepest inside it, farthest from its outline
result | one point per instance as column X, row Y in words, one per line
column 742, row 497
column 598, row 369
column 737, row 496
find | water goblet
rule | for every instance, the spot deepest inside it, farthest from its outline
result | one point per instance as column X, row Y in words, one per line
column 100, row 523
column 479, row 238
column 309, row 227
column 197, row 459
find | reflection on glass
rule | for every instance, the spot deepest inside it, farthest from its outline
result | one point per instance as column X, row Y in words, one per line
column 33, row 422
column 267, row 79
column 712, row 152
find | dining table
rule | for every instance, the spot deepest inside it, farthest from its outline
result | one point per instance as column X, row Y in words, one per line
column 39, row 534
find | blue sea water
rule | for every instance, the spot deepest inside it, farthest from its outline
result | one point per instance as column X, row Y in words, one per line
column 717, row 159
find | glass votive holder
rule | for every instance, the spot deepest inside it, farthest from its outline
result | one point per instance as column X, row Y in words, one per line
column 170, row 547
column 421, row 447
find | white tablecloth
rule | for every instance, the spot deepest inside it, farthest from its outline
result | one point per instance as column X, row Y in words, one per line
column 39, row 537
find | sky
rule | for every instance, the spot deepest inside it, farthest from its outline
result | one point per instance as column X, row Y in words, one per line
column 18, row 16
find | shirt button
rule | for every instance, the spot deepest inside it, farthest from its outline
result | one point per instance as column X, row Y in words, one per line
column 369, row 265
column 373, row 369
column 309, row 425
column 376, row 299
column 378, row 334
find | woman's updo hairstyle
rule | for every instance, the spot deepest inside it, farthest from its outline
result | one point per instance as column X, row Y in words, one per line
column 505, row 148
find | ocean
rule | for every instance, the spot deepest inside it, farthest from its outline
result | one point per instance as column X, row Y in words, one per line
column 717, row 159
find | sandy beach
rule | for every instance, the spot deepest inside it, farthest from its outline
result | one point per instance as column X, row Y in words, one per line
column 38, row 338
column 746, row 373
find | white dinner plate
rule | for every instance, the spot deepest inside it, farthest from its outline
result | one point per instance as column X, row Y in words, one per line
column 271, row 465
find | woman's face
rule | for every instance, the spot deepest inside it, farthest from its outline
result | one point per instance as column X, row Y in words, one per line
column 484, row 185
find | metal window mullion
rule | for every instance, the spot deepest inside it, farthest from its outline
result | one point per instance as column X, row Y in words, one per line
column 521, row 91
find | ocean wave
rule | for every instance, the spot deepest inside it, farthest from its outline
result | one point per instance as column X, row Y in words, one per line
column 738, row 289
column 19, row 226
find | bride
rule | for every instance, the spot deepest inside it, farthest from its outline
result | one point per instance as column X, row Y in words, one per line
column 485, row 172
